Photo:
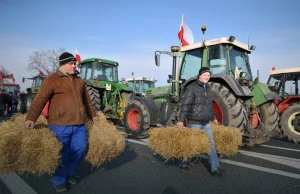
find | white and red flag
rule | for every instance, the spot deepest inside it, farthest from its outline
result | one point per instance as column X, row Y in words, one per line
column 77, row 56
column 185, row 34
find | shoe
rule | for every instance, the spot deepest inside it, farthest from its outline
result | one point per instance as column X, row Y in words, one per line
column 61, row 188
column 73, row 180
column 218, row 172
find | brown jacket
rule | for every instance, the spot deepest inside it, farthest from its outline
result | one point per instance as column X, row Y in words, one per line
column 69, row 100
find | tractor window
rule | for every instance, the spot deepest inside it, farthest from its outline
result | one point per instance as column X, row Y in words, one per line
column 148, row 84
column 240, row 59
column 105, row 72
column 292, row 84
column 191, row 63
column 37, row 82
column 274, row 83
column 86, row 71
column 217, row 59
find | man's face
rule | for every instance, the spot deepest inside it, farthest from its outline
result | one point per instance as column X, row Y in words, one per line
column 204, row 77
column 69, row 68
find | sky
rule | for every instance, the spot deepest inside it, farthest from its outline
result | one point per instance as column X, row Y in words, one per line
column 130, row 31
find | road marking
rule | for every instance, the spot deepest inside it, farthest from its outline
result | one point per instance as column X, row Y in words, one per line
column 293, row 162
column 289, row 149
column 269, row 170
column 16, row 184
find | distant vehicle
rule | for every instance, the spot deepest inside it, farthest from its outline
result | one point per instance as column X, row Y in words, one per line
column 8, row 87
column 139, row 84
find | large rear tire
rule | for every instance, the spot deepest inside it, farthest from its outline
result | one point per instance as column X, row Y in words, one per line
column 228, row 108
column 136, row 119
column 95, row 97
column 269, row 116
column 290, row 122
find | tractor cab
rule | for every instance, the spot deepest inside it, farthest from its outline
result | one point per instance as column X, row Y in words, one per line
column 139, row 84
column 99, row 69
column 285, row 82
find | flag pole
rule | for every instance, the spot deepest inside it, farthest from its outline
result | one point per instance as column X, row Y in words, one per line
column 178, row 65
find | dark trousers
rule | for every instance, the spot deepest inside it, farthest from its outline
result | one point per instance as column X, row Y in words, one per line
column 74, row 142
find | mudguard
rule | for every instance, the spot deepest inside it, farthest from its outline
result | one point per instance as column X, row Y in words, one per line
column 262, row 93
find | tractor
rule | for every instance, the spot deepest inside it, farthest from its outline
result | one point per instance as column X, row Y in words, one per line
column 238, row 101
column 139, row 84
column 286, row 83
column 107, row 94
column 8, row 86
column 35, row 86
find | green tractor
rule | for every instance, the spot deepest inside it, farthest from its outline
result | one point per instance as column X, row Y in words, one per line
column 106, row 92
column 35, row 87
column 238, row 100
column 139, row 84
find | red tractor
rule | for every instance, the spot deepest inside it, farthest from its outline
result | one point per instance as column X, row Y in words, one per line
column 286, row 82
column 8, row 86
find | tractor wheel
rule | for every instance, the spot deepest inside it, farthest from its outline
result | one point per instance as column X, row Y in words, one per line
column 136, row 119
column 126, row 96
column 95, row 97
column 227, row 107
column 290, row 122
column 269, row 116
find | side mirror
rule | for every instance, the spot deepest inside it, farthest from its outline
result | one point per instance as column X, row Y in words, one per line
column 23, row 79
column 157, row 59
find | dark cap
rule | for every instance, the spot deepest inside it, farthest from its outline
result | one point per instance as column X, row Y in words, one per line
column 66, row 58
column 203, row 70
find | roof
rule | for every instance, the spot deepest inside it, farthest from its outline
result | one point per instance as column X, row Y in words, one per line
column 140, row 78
column 99, row 60
column 287, row 70
column 216, row 41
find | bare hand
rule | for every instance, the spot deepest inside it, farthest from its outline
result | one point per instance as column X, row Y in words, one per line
column 180, row 124
column 29, row 124
column 216, row 122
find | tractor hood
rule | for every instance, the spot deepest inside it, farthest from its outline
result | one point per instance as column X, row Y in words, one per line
column 109, row 85
column 262, row 93
column 163, row 90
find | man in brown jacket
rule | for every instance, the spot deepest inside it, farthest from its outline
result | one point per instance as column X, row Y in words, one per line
column 69, row 103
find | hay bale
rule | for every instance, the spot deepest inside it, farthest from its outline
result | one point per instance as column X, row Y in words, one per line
column 105, row 142
column 22, row 150
column 227, row 139
column 181, row 143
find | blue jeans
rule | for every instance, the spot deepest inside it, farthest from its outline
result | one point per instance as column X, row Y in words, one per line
column 212, row 156
column 74, row 142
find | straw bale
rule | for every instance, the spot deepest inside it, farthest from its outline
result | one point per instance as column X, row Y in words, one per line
column 105, row 142
column 36, row 151
column 227, row 139
column 178, row 142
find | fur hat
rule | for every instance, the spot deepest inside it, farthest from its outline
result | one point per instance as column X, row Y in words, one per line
column 203, row 70
column 66, row 58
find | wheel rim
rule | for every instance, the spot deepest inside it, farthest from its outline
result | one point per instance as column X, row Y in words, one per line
column 218, row 111
column 134, row 119
column 254, row 121
column 294, row 123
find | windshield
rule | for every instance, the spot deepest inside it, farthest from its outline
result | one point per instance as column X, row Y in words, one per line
column 137, row 85
column 11, row 88
column 217, row 59
column 101, row 71
column 191, row 63
column 240, row 59
column 37, row 82
column 147, row 85
column 274, row 83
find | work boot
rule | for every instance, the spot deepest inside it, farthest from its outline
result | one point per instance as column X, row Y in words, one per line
column 61, row 188
column 73, row 180
column 218, row 172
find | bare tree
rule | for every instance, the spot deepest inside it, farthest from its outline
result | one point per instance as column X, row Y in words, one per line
column 3, row 70
column 44, row 60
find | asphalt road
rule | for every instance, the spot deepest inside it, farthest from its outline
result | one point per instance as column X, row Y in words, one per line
column 271, row 168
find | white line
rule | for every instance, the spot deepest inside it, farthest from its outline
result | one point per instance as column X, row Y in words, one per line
column 136, row 141
column 268, row 155
column 16, row 184
column 289, row 149
column 269, row 170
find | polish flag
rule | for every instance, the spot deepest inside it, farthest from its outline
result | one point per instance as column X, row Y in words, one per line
column 78, row 58
column 185, row 34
